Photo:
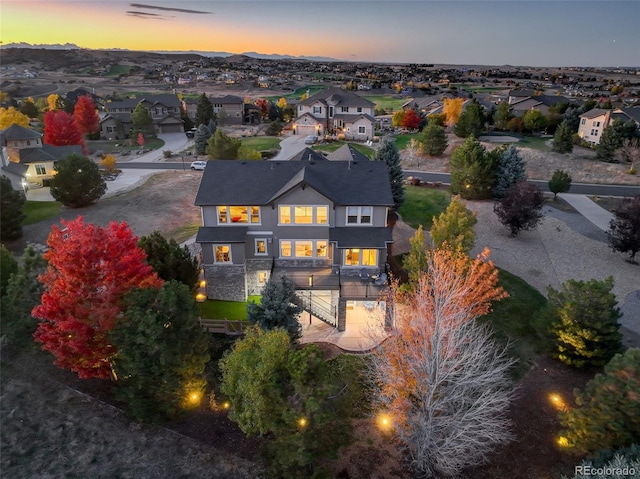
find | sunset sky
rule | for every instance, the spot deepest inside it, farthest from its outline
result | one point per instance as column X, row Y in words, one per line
column 536, row 33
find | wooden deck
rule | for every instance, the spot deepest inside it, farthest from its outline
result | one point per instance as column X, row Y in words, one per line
column 224, row 326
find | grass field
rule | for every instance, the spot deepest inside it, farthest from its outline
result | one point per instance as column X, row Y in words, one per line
column 234, row 310
column 313, row 89
column 261, row 143
column 40, row 210
column 117, row 70
column 403, row 140
column 111, row 146
column 389, row 103
column 422, row 204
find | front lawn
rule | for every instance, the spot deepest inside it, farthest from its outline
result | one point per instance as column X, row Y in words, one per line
column 261, row 143
column 422, row 204
column 388, row 103
column 403, row 140
column 118, row 146
column 40, row 210
column 234, row 310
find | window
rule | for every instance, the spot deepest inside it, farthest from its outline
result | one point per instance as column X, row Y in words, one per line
column 303, row 215
column 359, row 109
column 594, row 132
column 331, row 112
column 359, row 215
column 303, row 248
column 262, row 277
column 362, row 129
column 261, row 246
column 360, row 257
column 222, row 253
column 40, row 170
column 584, row 121
column 597, row 123
column 317, row 110
column 344, row 109
column 238, row 214
column 300, row 108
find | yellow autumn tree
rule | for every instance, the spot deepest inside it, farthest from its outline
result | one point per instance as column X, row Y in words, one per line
column 452, row 108
column 108, row 162
column 52, row 101
column 442, row 379
column 282, row 103
column 11, row 116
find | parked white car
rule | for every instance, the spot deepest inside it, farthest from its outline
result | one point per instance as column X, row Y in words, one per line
column 310, row 140
column 198, row 165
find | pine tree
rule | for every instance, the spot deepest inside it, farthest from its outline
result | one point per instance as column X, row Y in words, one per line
column 204, row 112
column 434, row 139
column 203, row 133
column 584, row 321
column 77, row 182
column 560, row 182
column 11, row 215
column 170, row 260
column 607, row 415
column 8, row 267
column 471, row 121
column 222, row 147
column 610, row 141
column 389, row 154
column 471, row 171
column 509, row 170
column 454, row 227
column 502, row 116
column 624, row 228
column 141, row 120
column 276, row 308
column 563, row 138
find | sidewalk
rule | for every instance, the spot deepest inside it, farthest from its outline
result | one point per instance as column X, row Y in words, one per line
column 589, row 209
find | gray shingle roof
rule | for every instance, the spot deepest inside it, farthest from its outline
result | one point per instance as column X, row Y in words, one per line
column 347, row 153
column 359, row 237
column 17, row 132
column 594, row 112
column 209, row 234
column 227, row 182
column 339, row 96
column 48, row 153
column 307, row 155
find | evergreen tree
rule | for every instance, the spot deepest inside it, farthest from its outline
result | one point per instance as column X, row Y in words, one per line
column 162, row 352
column 11, row 215
column 607, row 415
column 509, row 170
column 141, row 121
column 454, row 227
column 204, row 112
column 8, row 267
column 572, row 117
column 203, row 133
column 520, row 207
column 170, row 260
column 471, row 171
column 388, row 152
column 434, row 139
column 23, row 293
column 583, row 319
column 471, row 121
column 276, row 308
column 610, row 141
column 77, row 182
column 624, row 228
column 560, row 182
column 563, row 138
column 222, row 147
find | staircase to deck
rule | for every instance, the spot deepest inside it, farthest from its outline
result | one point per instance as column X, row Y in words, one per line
column 316, row 306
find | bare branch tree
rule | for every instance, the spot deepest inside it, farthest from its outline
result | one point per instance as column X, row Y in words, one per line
column 440, row 375
column 630, row 152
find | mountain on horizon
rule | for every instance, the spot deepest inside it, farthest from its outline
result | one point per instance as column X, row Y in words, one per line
column 260, row 56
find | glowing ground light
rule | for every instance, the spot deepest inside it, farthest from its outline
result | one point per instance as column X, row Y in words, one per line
column 302, row 422
column 557, row 402
column 226, row 405
column 384, row 422
column 563, row 441
column 194, row 398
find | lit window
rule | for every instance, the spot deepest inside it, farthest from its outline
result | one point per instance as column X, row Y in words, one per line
column 321, row 249
column 222, row 214
column 369, row 257
column 360, row 257
column 40, row 170
column 239, row 214
column 255, row 214
column 304, row 249
column 285, row 248
column 321, row 215
column 285, row 215
column 352, row 257
column 303, row 215
column 262, row 277
column 222, row 253
column 261, row 246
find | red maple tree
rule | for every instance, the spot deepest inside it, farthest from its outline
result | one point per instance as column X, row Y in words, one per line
column 86, row 116
column 90, row 269
column 140, row 139
column 61, row 130
column 264, row 107
column 411, row 119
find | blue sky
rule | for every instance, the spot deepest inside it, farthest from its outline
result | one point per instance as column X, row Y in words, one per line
column 535, row 33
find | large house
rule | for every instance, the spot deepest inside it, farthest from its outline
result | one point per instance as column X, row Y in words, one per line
column 336, row 111
column 26, row 160
column 235, row 110
column 164, row 109
column 321, row 223
column 594, row 121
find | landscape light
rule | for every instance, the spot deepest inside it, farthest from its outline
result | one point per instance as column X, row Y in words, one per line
column 557, row 402
column 194, row 397
column 302, row 422
column 384, row 422
column 562, row 441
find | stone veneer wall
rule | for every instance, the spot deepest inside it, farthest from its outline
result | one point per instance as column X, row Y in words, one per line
column 342, row 314
column 225, row 282
column 302, row 263
column 253, row 266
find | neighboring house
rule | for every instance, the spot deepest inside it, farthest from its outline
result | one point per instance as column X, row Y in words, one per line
column 73, row 96
column 594, row 121
column 336, row 111
column 321, row 223
column 164, row 109
column 515, row 96
column 237, row 112
column 26, row 160
column 424, row 105
column 542, row 103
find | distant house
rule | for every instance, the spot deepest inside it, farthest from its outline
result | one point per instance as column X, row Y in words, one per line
column 594, row 121
column 26, row 160
column 164, row 109
column 336, row 111
column 321, row 223
column 234, row 107
column 73, row 96
column 541, row 103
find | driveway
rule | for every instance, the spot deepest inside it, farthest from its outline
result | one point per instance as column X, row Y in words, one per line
column 174, row 142
column 291, row 145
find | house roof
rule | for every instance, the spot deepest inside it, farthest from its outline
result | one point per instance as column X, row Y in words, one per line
column 359, row 237
column 166, row 99
column 17, row 132
column 228, row 99
column 347, row 153
column 232, row 234
column 48, row 153
column 521, row 93
column 631, row 113
column 227, row 182
column 338, row 97
column 594, row 112
column 16, row 168
column 352, row 118
column 307, row 155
